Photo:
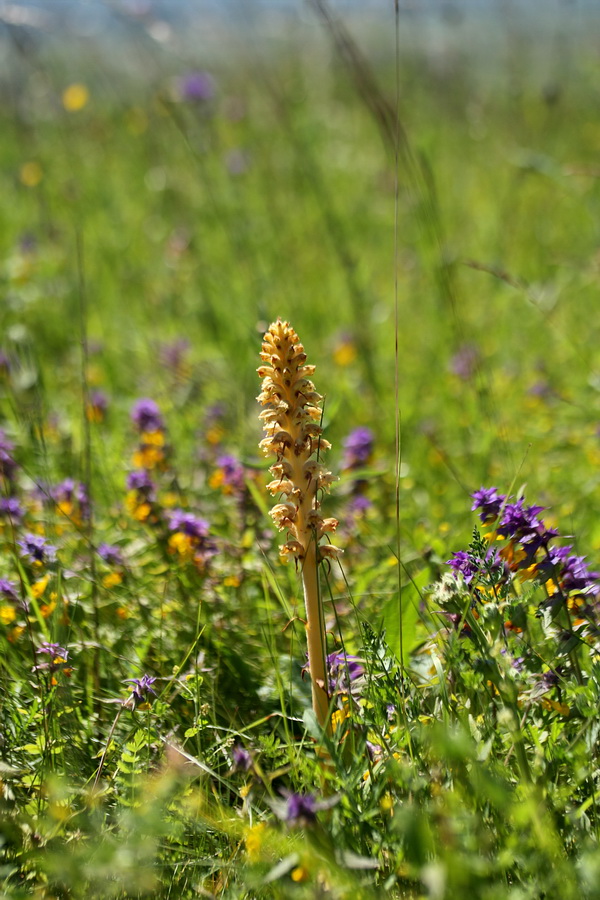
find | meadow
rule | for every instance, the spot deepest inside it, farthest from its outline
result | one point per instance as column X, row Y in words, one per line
column 427, row 223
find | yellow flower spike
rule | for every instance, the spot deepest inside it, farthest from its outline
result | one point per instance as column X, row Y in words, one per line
column 291, row 420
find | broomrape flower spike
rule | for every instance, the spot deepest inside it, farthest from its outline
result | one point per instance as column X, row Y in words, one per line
column 293, row 436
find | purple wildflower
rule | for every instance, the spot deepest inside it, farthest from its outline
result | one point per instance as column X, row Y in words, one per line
column 74, row 493
column 8, row 590
column 358, row 448
column 374, row 750
column 97, row 406
column 197, row 87
column 196, row 544
column 462, row 563
column 10, row 508
column 146, row 415
column 140, row 480
column 551, row 565
column 188, row 523
column 232, row 472
column 343, row 670
column 8, row 465
column 551, row 678
column 489, row 501
column 57, row 657
column 141, row 690
column 214, row 413
column 300, row 809
column 519, row 521
column 465, row 361
column 359, row 504
column 36, row 550
column 242, row 760
column 575, row 576
column 110, row 554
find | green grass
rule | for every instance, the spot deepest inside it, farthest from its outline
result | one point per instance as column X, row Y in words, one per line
column 454, row 774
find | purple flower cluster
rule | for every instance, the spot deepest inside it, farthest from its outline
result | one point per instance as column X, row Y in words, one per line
column 189, row 524
column 358, row 448
column 8, row 590
column 489, row 501
column 146, row 416
column 36, row 550
column 73, row 493
column 301, row 809
column 233, row 477
column 523, row 527
column 469, row 566
column 190, row 538
column 110, row 554
column 197, row 87
column 139, row 480
column 11, row 509
column 97, row 406
column 462, row 563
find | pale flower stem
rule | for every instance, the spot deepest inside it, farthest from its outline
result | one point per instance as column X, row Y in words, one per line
column 315, row 635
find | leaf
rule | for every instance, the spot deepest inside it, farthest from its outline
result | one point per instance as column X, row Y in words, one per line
column 356, row 861
column 310, row 723
column 282, row 868
column 31, row 748
column 400, row 620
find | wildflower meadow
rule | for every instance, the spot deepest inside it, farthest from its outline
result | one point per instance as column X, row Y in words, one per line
column 299, row 451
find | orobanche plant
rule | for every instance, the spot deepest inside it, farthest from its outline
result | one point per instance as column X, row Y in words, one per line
column 291, row 418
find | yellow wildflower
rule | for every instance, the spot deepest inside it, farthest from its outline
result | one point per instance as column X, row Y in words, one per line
column 38, row 587
column 75, row 97
column 8, row 614
column 31, row 174
column 300, row 873
column 181, row 544
column 254, row 840
column 112, row 579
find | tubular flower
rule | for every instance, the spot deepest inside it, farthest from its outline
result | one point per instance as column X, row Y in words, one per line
column 293, row 436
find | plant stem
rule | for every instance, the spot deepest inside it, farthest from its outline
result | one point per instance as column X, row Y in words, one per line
column 315, row 634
